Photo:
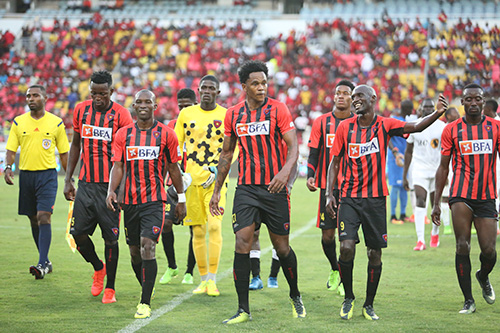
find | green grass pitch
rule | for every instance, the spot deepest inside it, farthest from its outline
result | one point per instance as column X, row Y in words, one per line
column 418, row 290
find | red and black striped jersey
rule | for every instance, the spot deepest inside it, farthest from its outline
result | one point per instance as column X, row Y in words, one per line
column 260, row 139
column 473, row 149
column 322, row 138
column 97, row 130
column 364, row 152
column 145, row 154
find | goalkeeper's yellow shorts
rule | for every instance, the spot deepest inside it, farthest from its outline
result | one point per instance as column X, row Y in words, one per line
column 197, row 203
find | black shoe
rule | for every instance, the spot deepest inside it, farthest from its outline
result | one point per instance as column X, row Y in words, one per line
column 488, row 292
column 38, row 271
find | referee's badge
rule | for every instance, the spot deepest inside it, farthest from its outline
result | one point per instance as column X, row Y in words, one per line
column 46, row 143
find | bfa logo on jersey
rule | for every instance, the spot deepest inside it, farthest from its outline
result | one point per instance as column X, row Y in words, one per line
column 476, row 147
column 253, row 129
column 329, row 140
column 95, row 132
column 142, row 153
column 356, row 150
column 217, row 123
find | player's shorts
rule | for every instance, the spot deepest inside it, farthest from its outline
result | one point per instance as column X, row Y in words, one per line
column 428, row 183
column 143, row 220
column 480, row 208
column 368, row 212
column 90, row 210
column 197, row 203
column 324, row 220
column 255, row 204
column 37, row 191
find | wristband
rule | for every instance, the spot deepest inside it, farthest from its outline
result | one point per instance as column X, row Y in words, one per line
column 181, row 197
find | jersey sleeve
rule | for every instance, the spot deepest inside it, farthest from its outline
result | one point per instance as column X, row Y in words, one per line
column 340, row 138
column 125, row 118
column 173, row 151
column 61, row 139
column 228, row 126
column 179, row 129
column 118, row 146
column 76, row 119
column 446, row 141
column 394, row 127
column 13, row 140
column 284, row 119
column 314, row 138
column 411, row 139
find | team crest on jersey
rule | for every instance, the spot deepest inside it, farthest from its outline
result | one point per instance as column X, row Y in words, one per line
column 329, row 140
column 253, row 129
column 487, row 127
column 156, row 230
column 384, row 236
column 217, row 123
column 156, row 134
column 46, row 143
column 268, row 109
column 95, row 132
column 374, row 129
column 111, row 117
column 435, row 143
column 356, row 150
column 476, row 147
column 142, row 153
column 115, row 231
column 286, row 226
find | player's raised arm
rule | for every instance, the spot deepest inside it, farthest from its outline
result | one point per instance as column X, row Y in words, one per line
column 423, row 123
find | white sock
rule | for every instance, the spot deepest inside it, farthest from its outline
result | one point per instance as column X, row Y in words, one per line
column 275, row 255
column 203, row 277
column 211, row 276
column 435, row 230
column 420, row 213
column 255, row 254
column 413, row 200
column 445, row 213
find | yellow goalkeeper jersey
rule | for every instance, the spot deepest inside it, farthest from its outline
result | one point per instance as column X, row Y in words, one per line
column 203, row 134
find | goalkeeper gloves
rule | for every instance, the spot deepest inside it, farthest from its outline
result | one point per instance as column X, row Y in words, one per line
column 212, row 177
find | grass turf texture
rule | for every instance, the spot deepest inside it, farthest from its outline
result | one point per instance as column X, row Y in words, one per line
column 418, row 290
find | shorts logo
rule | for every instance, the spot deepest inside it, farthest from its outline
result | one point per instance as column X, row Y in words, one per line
column 384, row 236
column 217, row 123
column 111, row 117
column 286, row 226
column 115, row 231
column 142, row 153
column 46, row 143
column 156, row 134
column 253, row 129
column 356, row 150
column 234, row 218
column 98, row 133
column 476, row 147
column 330, row 138
column 156, row 230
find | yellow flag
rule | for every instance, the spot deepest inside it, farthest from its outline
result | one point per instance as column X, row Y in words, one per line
column 69, row 237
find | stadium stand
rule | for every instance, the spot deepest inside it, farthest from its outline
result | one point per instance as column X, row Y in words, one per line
column 166, row 55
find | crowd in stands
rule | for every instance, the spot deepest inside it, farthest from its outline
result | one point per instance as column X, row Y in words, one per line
column 389, row 55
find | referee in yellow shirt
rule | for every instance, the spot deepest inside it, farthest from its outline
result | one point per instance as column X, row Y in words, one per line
column 38, row 133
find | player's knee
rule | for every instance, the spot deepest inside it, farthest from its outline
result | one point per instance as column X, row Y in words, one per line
column 346, row 251
column 148, row 249
column 43, row 218
column 242, row 245
column 463, row 246
column 214, row 228
column 135, row 254
column 328, row 236
column 374, row 256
